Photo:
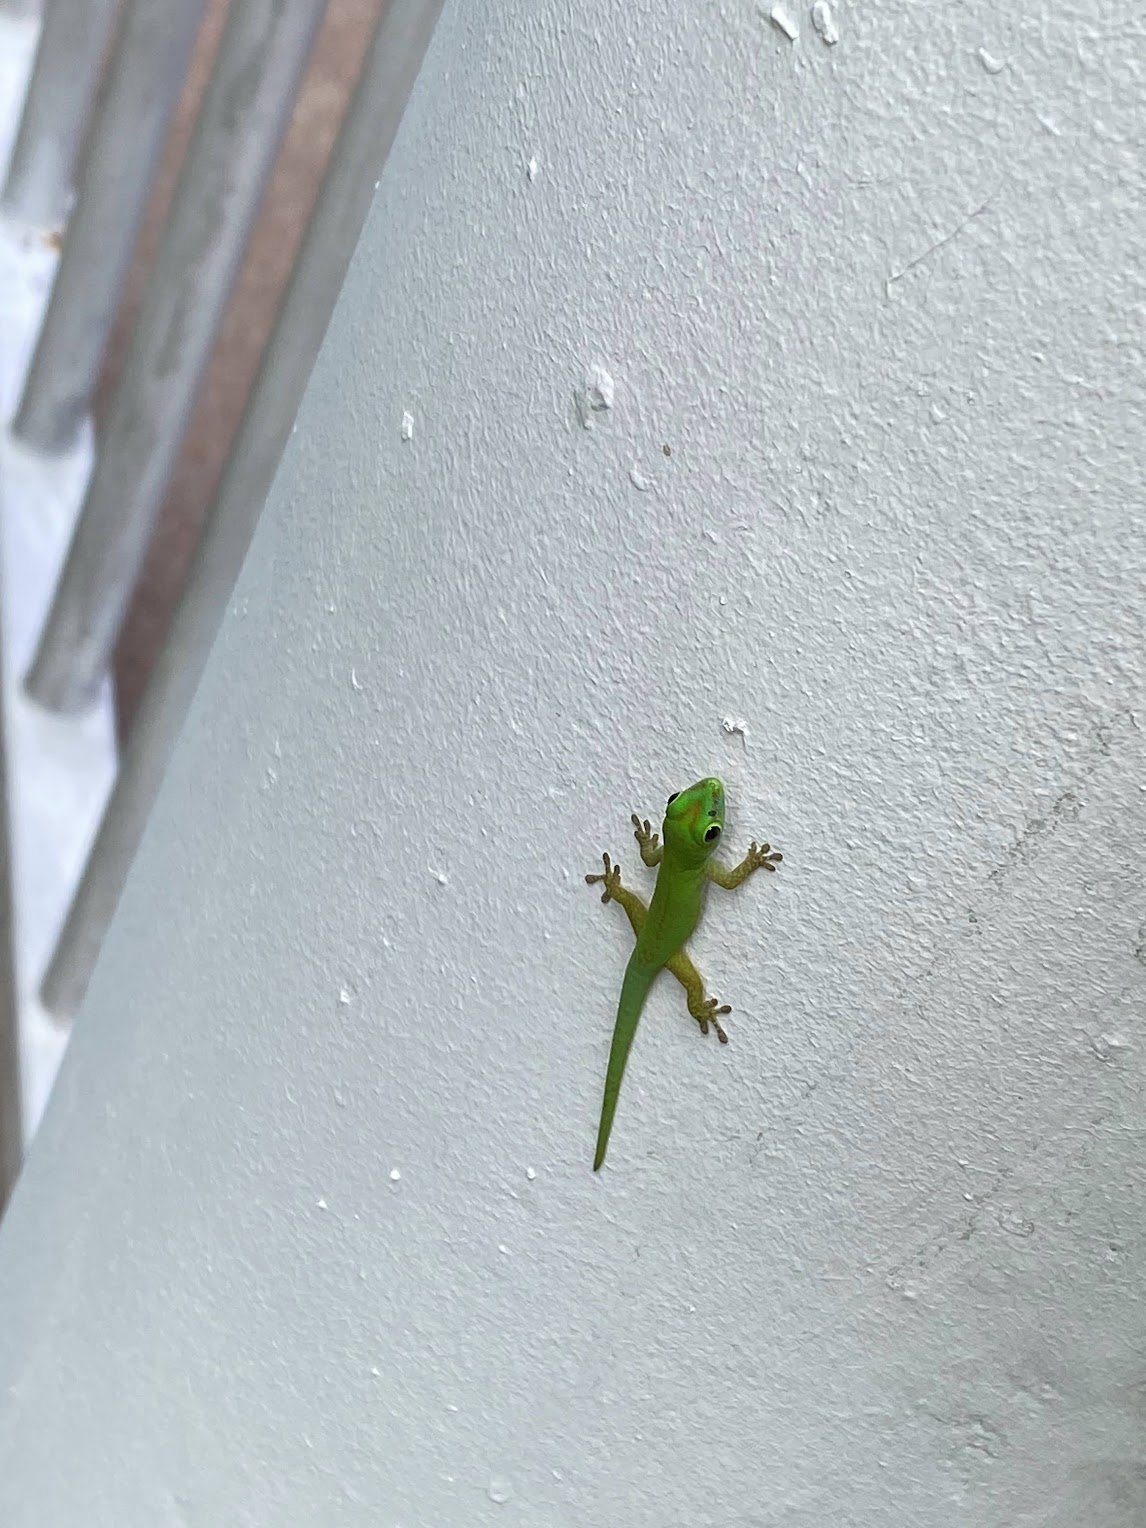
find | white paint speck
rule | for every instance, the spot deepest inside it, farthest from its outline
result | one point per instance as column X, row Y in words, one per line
column 595, row 395
column 1106, row 1047
column 989, row 62
column 735, row 726
column 530, row 1174
column 825, row 23
column 639, row 481
column 407, row 425
column 501, row 1247
column 354, row 679
column 322, row 1204
column 500, row 1489
column 782, row 21
column 343, row 996
column 532, row 169
column 395, row 1175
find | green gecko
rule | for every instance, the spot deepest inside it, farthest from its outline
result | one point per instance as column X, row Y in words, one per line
column 693, row 825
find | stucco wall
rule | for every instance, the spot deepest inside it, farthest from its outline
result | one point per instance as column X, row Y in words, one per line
column 309, row 1235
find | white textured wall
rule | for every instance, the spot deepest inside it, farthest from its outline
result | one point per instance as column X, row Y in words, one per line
column 880, row 1261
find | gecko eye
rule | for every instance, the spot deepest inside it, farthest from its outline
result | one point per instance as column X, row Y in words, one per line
column 712, row 834
column 672, row 798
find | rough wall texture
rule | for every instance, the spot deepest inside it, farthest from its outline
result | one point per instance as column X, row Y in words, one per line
column 309, row 1235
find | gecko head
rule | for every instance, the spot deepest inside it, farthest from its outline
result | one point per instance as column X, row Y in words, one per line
column 694, row 820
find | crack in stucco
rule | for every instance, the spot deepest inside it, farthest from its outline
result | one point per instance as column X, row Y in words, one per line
column 940, row 243
column 1067, row 805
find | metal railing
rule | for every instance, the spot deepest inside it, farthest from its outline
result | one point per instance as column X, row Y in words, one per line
column 123, row 109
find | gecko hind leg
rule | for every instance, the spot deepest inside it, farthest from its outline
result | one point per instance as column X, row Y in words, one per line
column 705, row 1010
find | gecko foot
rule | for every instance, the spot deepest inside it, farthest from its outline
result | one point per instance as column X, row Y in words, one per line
column 647, row 841
column 762, row 856
column 611, row 879
column 707, row 1012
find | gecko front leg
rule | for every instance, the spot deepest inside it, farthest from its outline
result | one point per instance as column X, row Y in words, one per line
column 648, row 842
column 759, row 857
column 635, row 909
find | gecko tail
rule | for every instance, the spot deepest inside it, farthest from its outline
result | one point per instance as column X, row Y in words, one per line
column 634, row 989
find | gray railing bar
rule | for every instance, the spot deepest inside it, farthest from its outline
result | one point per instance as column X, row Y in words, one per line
column 11, row 1091
column 69, row 60
column 248, row 104
column 369, row 129
column 129, row 128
